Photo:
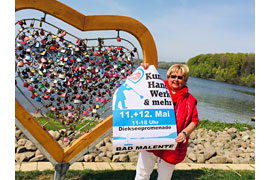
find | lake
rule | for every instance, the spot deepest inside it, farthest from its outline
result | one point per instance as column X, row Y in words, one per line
column 217, row 101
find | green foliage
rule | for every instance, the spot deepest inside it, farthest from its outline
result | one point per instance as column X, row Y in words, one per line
column 236, row 68
column 167, row 65
column 220, row 126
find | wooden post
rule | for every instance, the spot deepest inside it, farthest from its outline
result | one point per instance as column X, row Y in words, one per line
column 44, row 138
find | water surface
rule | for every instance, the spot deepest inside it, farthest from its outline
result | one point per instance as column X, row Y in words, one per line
column 218, row 101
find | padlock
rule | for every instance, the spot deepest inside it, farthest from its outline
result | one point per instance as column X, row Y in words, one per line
column 38, row 99
column 123, row 71
column 94, row 111
column 79, row 60
column 41, row 32
column 52, row 48
column 46, row 97
column 32, row 96
column 63, row 33
column 59, row 54
column 25, row 84
column 37, row 45
column 40, row 72
column 61, row 39
column 27, row 57
column 62, row 50
column 26, row 39
column 111, row 83
column 62, row 76
column 58, row 98
column 53, row 108
column 61, row 63
column 78, row 96
column 69, row 114
column 52, row 84
column 76, row 49
column 39, row 24
column 28, row 50
column 48, row 91
column 50, row 61
column 20, row 64
column 33, row 79
column 43, row 53
column 76, row 101
column 103, row 100
column 32, row 24
column 65, row 139
column 97, row 99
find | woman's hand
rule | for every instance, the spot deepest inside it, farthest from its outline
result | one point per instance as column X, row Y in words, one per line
column 181, row 137
column 145, row 65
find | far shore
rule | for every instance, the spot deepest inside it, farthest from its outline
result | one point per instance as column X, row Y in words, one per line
column 166, row 65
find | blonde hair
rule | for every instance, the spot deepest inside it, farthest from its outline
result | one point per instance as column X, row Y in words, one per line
column 179, row 67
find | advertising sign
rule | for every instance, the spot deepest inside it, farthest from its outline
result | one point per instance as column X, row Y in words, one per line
column 143, row 113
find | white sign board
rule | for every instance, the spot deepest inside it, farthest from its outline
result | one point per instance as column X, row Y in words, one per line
column 143, row 113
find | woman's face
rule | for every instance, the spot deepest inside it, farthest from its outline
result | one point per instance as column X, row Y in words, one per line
column 175, row 81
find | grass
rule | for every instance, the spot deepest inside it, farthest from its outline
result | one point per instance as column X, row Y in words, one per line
column 220, row 126
column 206, row 124
column 58, row 125
column 201, row 174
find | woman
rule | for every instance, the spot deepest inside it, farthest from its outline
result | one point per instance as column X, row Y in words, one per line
column 186, row 121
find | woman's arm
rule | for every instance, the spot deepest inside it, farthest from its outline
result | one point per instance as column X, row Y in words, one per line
column 185, row 132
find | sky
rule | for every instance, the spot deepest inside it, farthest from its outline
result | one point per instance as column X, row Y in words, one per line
column 181, row 29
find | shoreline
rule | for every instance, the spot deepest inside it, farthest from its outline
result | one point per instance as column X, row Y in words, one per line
column 212, row 79
column 205, row 146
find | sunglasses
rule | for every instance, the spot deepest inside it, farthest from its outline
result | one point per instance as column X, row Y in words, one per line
column 174, row 77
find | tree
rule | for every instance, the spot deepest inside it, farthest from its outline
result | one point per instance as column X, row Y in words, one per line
column 238, row 68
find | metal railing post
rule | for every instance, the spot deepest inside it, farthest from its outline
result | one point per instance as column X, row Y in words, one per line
column 60, row 170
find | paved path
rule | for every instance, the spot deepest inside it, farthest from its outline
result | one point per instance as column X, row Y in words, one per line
column 41, row 166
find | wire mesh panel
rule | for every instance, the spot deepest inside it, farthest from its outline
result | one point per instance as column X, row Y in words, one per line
column 66, row 82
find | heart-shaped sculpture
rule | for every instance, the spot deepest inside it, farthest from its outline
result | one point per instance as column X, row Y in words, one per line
column 26, row 122
column 69, row 82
